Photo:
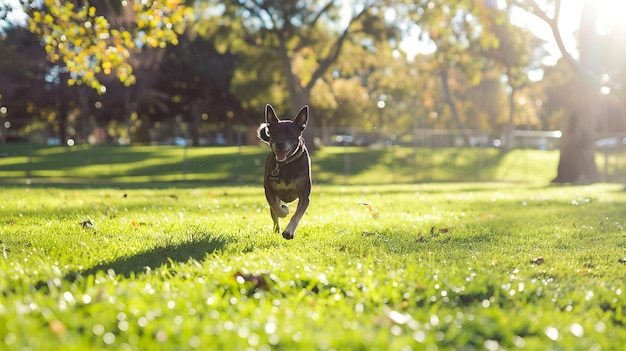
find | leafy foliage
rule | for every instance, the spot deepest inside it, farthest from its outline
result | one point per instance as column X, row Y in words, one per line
column 87, row 43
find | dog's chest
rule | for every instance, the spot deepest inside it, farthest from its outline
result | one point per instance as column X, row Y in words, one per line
column 285, row 191
column 279, row 185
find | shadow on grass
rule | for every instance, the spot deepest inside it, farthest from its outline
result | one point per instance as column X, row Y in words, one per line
column 329, row 166
column 105, row 165
column 226, row 168
column 156, row 257
column 142, row 262
column 163, row 166
column 44, row 158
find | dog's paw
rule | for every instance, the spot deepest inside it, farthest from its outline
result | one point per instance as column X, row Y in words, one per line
column 285, row 210
column 287, row 235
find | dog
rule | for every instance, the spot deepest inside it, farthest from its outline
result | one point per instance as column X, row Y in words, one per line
column 287, row 167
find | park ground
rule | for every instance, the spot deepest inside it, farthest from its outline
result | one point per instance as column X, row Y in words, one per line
column 137, row 251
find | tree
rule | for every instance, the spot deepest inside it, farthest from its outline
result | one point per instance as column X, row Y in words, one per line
column 104, row 42
column 577, row 148
column 23, row 87
column 304, row 37
column 515, row 55
column 88, row 40
column 461, row 34
column 198, row 80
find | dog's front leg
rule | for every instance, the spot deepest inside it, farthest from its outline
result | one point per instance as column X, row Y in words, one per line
column 290, row 230
column 276, row 209
column 275, row 220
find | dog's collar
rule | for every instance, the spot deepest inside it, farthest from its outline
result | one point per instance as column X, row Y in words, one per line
column 297, row 153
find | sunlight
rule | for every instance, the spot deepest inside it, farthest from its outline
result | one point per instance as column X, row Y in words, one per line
column 15, row 16
column 610, row 16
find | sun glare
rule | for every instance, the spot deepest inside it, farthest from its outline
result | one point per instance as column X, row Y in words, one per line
column 610, row 15
column 610, row 18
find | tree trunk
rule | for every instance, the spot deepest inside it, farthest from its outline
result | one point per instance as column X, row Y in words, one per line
column 64, row 111
column 309, row 132
column 298, row 96
column 577, row 160
column 194, row 122
column 128, row 113
column 453, row 109
column 84, row 95
column 510, row 126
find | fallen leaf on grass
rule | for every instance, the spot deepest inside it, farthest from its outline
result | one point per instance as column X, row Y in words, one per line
column 399, row 318
column 439, row 231
column 259, row 281
column 88, row 224
column 370, row 208
column 134, row 223
column 366, row 204
column 57, row 327
column 538, row 260
column 368, row 233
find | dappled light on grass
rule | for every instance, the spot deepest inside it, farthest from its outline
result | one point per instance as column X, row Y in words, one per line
column 82, row 165
column 482, row 266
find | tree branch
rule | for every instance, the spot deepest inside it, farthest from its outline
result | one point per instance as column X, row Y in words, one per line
column 332, row 56
column 321, row 12
column 584, row 72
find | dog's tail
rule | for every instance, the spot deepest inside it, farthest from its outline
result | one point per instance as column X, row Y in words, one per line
column 263, row 133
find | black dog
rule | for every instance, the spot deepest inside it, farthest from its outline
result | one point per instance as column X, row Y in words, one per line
column 287, row 167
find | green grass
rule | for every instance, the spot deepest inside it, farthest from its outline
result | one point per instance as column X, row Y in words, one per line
column 233, row 165
column 83, row 164
column 463, row 266
column 170, row 248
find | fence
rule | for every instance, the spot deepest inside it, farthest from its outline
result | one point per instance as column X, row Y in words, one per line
column 403, row 157
column 610, row 147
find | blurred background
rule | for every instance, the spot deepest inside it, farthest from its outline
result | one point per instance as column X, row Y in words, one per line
column 538, row 74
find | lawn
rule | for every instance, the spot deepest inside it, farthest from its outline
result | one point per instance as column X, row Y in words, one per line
column 468, row 266
column 83, row 164
column 170, row 248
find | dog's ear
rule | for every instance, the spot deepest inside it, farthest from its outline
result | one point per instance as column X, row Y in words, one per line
column 270, row 115
column 302, row 117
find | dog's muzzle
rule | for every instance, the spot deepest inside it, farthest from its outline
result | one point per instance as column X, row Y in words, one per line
column 282, row 151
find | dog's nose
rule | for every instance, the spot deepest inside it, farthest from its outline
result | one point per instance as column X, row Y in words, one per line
column 280, row 145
